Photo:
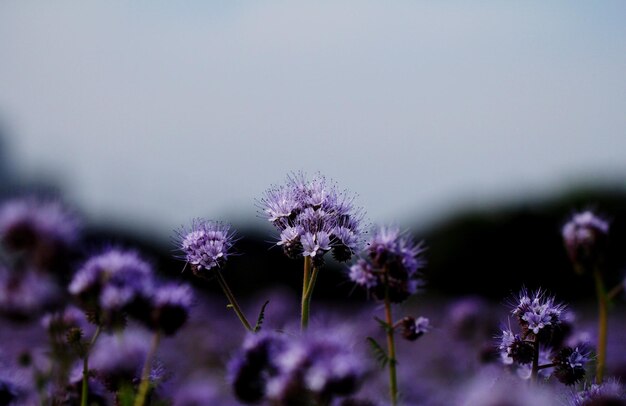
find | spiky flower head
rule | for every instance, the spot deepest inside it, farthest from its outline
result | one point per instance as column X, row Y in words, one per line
column 538, row 314
column 313, row 218
column 514, row 349
column 45, row 229
column 584, row 236
column 206, row 245
column 112, row 283
column 570, row 364
column 391, row 265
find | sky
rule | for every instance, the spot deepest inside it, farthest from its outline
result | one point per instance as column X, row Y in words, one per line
column 153, row 112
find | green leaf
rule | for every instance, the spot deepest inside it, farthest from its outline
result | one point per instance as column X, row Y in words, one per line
column 379, row 352
column 261, row 318
column 386, row 326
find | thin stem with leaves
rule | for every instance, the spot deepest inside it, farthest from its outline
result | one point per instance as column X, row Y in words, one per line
column 142, row 392
column 603, row 310
column 233, row 301
column 85, row 384
column 391, row 348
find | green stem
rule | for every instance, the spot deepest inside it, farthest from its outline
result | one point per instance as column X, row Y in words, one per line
column 233, row 301
column 85, row 385
column 305, row 304
column 145, row 373
column 603, row 310
column 534, row 372
column 391, row 347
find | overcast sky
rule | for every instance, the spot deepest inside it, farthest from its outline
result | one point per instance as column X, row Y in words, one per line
column 152, row 112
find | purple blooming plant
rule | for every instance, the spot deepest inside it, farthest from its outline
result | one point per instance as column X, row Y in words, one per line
column 585, row 237
column 390, row 271
column 539, row 318
column 206, row 246
column 312, row 218
column 44, row 229
column 312, row 369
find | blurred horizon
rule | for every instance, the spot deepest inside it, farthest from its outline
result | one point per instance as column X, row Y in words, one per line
column 146, row 115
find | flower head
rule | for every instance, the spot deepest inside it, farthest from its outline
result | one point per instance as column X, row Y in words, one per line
column 170, row 307
column 584, row 236
column 570, row 365
column 206, row 244
column 44, row 228
column 391, row 265
column 118, row 359
column 413, row 328
column 112, row 282
column 537, row 313
column 313, row 218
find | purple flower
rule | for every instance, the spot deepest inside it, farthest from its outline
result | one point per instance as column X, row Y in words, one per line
column 313, row 218
column 608, row 393
column 391, row 266
column 45, row 229
column 363, row 274
column 570, row 365
column 413, row 328
column 514, row 349
column 584, row 236
column 27, row 294
column 296, row 370
column 112, row 282
column 206, row 244
column 118, row 359
column 170, row 308
column 537, row 313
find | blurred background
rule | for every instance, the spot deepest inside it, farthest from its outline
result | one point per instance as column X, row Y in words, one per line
column 481, row 128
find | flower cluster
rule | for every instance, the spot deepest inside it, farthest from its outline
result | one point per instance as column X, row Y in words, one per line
column 286, row 371
column 112, row 283
column 313, row 217
column 608, row 393
column 45, row 229
column 540, row 319
column 206, row 244
column 584, row 237
column 115, row 283
column 391, row 266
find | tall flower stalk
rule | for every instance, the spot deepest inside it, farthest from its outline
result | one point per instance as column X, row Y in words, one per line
column 312, row 218
column 585, row 237
column 539, row 316
column 206, row 246
column 389, row 272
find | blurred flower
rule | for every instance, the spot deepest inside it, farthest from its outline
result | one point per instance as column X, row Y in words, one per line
column 412, row 328
column 198, row 392
column 570, row 365
column 119, row 358
column 27, row 294
column 206, row 244
column 111, row 283
column 170, row 306
column 296, row 370
column 392, row 265
column 609, row 393
column 44, row 228
column 584, row 236
column 313, row 218
column 9, row 393
column 250, row 369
